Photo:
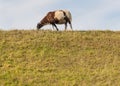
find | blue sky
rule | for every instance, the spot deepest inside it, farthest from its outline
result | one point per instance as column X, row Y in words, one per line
column 86, row 14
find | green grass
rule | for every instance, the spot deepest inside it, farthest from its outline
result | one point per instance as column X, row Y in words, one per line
column 64, row 58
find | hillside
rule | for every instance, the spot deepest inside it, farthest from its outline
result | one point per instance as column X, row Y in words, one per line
column 64, row 58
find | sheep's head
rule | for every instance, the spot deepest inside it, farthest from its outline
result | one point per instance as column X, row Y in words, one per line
column 39, row 25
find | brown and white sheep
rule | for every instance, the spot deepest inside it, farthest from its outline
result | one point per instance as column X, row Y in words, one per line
column 56, row 17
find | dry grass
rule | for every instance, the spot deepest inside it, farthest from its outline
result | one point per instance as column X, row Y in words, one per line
column 50, row 58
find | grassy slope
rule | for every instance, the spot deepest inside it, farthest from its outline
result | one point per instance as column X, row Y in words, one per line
column 46, row 58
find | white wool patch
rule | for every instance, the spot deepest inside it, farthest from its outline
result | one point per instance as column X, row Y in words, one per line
column 60, row 16
column 68, row 14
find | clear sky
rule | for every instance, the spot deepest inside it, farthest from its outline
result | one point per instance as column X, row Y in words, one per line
column 86, row 14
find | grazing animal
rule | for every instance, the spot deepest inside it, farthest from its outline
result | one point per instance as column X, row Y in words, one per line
column 56, row 17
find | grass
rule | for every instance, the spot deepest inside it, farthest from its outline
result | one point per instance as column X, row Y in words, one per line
column 64, row 58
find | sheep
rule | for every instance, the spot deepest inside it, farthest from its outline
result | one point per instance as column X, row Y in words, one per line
column 56, row 17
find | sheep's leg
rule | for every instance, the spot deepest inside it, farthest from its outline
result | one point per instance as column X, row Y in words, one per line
column 70, row 25
column 65, row 26
column 55, row 26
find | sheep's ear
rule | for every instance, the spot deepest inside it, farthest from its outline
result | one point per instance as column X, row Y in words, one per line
column 38, row 26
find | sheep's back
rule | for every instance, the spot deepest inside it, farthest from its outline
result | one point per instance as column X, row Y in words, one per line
column 60, row 16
